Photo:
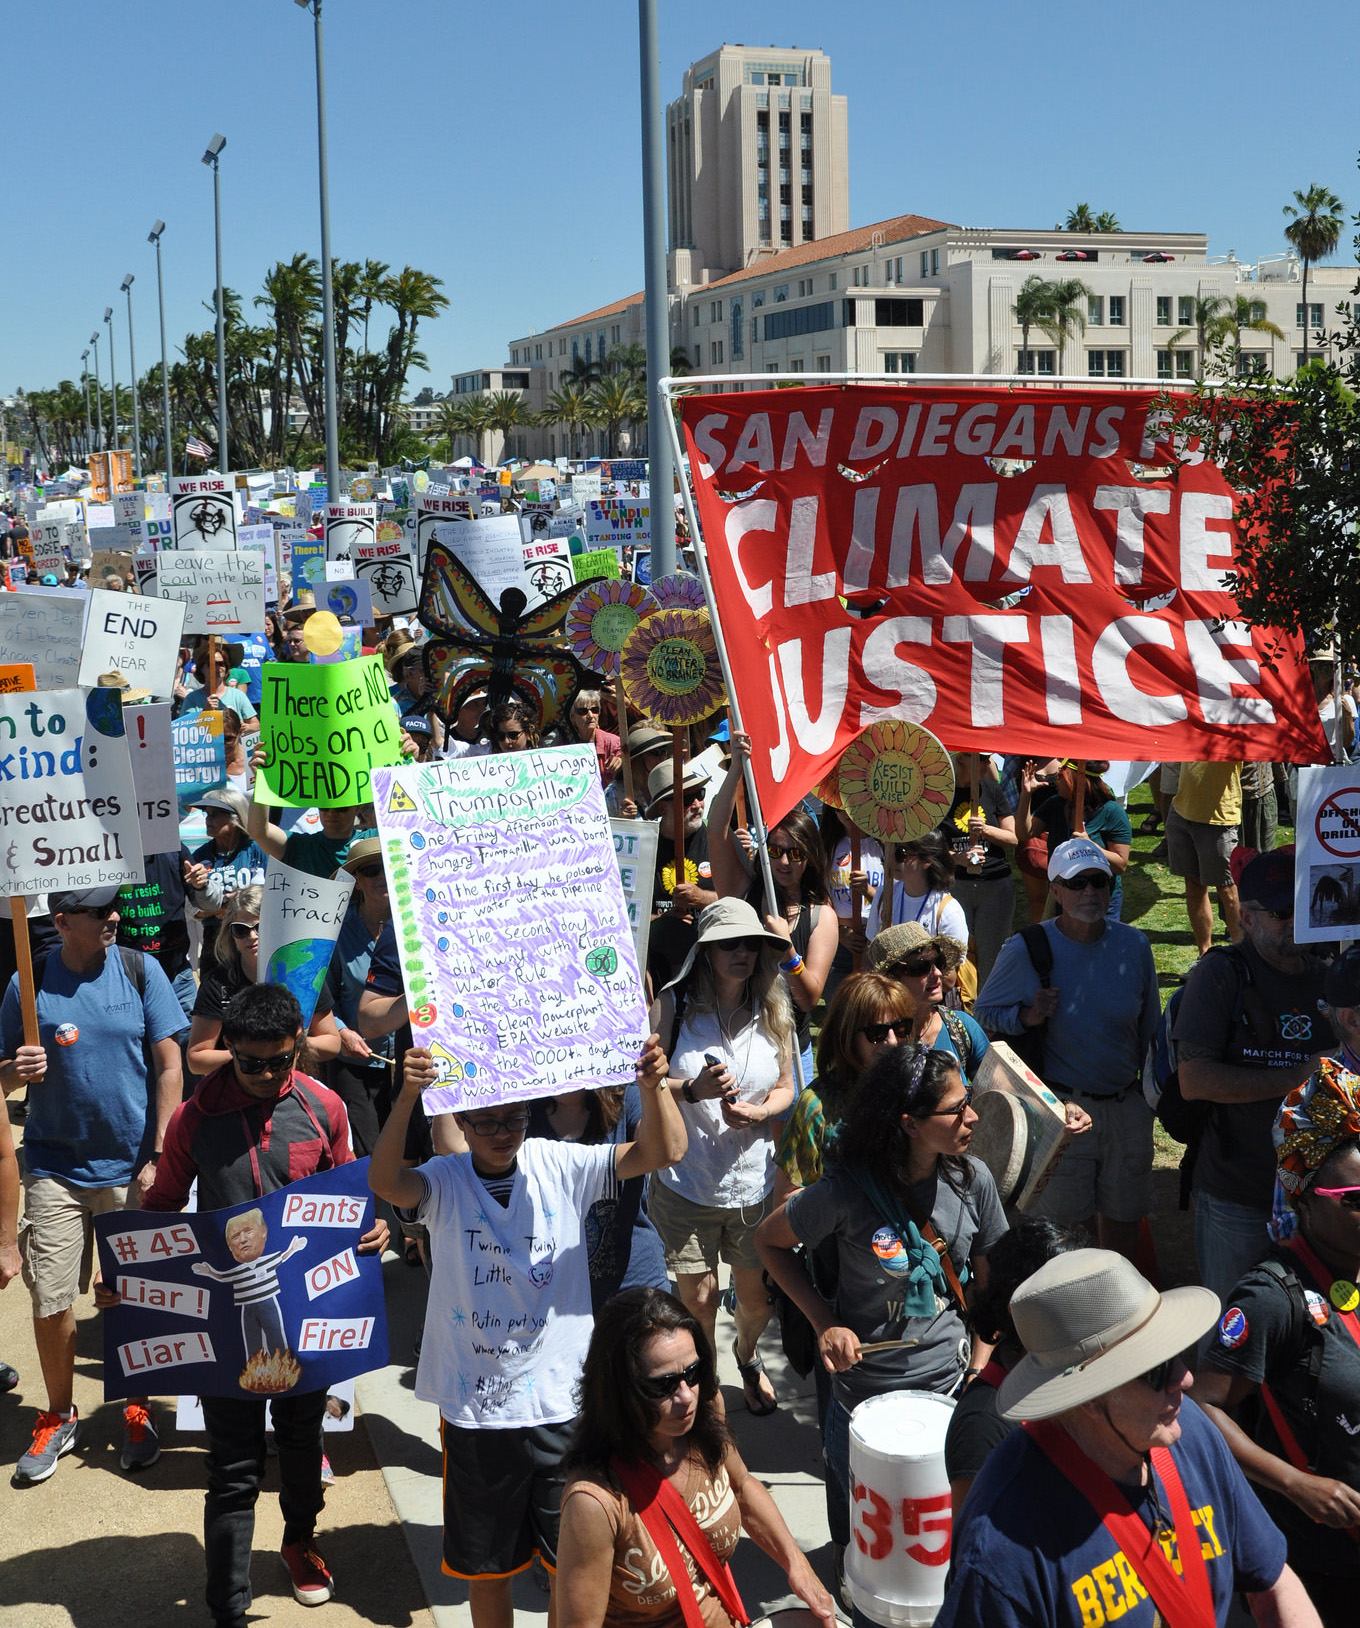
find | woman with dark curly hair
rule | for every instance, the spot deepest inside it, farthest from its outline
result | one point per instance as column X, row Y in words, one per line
column 652, row 1463
column 912, row 1216
column 976, row 1426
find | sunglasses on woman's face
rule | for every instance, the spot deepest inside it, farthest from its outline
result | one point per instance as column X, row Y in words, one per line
column 583, row 710
column 1347, row 1197
column 922, row 968
column 661, row 1386
column 786, row 850
column 901, row 851
column 370, row 873
column 245, row 929
column 877, row 1033
column 735, row 945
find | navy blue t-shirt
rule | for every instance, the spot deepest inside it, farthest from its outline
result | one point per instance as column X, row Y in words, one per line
column 1030, row 1552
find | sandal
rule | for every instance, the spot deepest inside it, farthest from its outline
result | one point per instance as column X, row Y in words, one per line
column 751, row 1373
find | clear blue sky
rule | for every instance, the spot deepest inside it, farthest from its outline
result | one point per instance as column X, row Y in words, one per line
column 498, row 146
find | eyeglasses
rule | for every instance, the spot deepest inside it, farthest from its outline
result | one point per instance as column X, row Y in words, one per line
column 694, row 795
column 512, row 1125
column 281, row 1063
column 1347, row 1197
column 1093, row 881
column 369, row 872
column 902, row 850
column 787, row 850
column 921, row 969
column 1159, row 1378
column 877, row 1033
column 245, row 929
column 956, row 1112
column 101, row 911
column 659, row 1386
column 732, row 945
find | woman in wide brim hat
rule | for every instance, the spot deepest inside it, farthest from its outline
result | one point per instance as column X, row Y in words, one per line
column 727, row 1025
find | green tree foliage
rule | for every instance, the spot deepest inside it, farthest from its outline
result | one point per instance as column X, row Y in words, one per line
column 1314, row 230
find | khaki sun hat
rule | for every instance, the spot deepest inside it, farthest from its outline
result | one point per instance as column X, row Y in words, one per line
column 1090, row 1322
column 661, row 782
column 362, row 851
column 723, row 920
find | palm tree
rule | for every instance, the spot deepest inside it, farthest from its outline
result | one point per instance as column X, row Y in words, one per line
column 681, row 362
column 1212, row 323
column 1080, row 219
column 1066, row 311
column 630, row 360
column 505, row 410
column 569, row 405
column 1247, row 316
column 615, row 402
column 1033, row 303
column 1108, row 221
column 292, row 290
column 1313, row 230
column 412, row 295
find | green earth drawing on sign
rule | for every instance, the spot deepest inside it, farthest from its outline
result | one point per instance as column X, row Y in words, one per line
column 301, row 968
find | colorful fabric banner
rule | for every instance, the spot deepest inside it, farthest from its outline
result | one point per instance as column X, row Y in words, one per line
column 1020, row 571
column 266, row 1299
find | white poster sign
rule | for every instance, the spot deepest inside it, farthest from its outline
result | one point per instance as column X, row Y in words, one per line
column 44, row 626
column 618, row 522
column 203, row 509
column 635, row 846
column 389, row 573
column 134, row 636
column 492, row 550
column 347, row 598
column 1327, row 854
column 224, row 592
column 153, row 773
column 349, row 526
column 300, row 919
column 431, row 510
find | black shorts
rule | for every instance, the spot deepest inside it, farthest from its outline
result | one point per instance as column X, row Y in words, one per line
column 502, row 1497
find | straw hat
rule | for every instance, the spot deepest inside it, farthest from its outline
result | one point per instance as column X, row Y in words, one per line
column 895, row 946
column 1090, row 1322
column 721, row 921
column 399, row 645
column 661, row 782
column 301, row 608
column 648, row 738
column 362, row 851
column 114, row 680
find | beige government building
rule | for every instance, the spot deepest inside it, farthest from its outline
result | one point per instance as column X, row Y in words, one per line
column 767, row 276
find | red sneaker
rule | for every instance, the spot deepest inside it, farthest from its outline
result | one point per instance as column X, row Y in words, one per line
column 312, row 1583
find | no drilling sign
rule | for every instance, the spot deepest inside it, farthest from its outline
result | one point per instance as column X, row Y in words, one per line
column 1337, row 823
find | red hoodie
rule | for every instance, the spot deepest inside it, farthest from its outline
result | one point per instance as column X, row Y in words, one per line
column 240, row 1147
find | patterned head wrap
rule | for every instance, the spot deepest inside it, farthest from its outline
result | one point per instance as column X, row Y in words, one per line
column 1314, row 1120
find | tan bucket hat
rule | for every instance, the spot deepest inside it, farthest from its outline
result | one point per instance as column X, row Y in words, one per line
column 896, row 945
column 1090, row 1322
column 661, row 782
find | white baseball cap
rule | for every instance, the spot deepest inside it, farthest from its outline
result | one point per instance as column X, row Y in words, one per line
column 1075, row 855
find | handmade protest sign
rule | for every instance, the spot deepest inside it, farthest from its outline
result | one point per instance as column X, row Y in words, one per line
column 585, row 489
column 111, row 566
column 512, row 925
column 136, row 638
column 309, row 563
column 43, row 627
column 16, row 573
column 68, row 810
column 325, row 727
column 492, row 550
column 870, row 544
column 1327, row 856
column 264, row 1299
column 348, row 525
column 635, row 845
column 15, row 677
column 547, row 565
column 347, row 598
column 222, row 592
column 151, row 753
column 599, row 562
column 200, row 754
column 620, row 522
column 203, row 510
column 300, row 919
column 389, row 573
column 430, row 510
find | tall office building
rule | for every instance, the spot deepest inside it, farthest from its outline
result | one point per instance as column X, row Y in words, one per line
column 758, row 160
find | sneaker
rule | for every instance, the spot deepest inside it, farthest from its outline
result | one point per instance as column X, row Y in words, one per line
column 327, row 1474
column 141, row 1444
column 311, row 1576
column 9, row 1377
column 52, row 1436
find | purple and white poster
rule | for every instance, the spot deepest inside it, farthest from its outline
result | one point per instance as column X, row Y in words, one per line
column 264, row 1299
column 512, row 925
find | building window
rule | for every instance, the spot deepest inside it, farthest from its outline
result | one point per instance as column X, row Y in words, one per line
column 715, row 310
column 1314, row 315
column 899, row 361
column 514, row 356
column 1163, row 313
column 738, row 331
column 698, row 356
column 1105, row 364
column 899, row 269
column 1116, row 310
column 1185, row 311
column 772, row 367
column 795, row 364
column 899, row 313
column 1036, row 361
column 823, row 364
column 835, row 280
column 803, row 319
column 1251, row 364
column 1258, row 310
column 538, row 353
column 715, row 351
column 781, row 293
column 758, row 298
column 925, row 262
column 1095, row 311
column 856, row 276
column 934, row 262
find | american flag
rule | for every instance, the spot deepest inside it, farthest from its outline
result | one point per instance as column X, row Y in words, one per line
column 195, row 448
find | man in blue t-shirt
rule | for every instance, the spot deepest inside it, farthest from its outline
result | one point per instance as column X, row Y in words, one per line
column 1119, row 1501
column 94, row 1133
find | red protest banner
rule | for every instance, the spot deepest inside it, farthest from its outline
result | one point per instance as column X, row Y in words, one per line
column 1019, row 570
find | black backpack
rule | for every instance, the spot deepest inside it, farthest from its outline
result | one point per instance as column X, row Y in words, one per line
column 1029, row 1044
column 1306, row 1349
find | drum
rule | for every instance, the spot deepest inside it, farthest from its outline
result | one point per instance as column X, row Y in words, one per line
column 900, row 1520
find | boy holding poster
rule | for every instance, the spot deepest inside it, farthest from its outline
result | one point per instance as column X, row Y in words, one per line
column 509, row 1314
column 252, row 1126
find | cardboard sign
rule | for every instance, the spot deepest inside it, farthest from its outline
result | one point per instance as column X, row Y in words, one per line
column 68, row 810
column 348, row 526
column 635, row 846
column 222, row 592
column 300, row 920
column 547, row 565
column 203, row 511
column 138, row 639
column 388, row 572
column 268, row 1298
column 512, row 926
column 325, row 726
column 151, row 752
column 492, row 550
column 619, row 522
column 200, row 755
column 1327, row 854
column 432, row 509
column 347, row 598
column 43, row 628
column 599, row 562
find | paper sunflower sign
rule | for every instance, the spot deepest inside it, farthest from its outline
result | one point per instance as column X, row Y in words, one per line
column 669, row 668
column 895, row 781
column 601, row 618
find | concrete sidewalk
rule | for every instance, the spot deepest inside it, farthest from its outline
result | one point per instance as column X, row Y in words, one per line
column 783, row 1449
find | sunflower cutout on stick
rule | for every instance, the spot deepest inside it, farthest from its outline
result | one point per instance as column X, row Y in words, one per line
column 681, row 590
column 829, row 789
column 669, row 667
column 601, row 617
column 896, row 781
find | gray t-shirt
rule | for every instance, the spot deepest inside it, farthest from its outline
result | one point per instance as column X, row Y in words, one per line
column 868, row 1297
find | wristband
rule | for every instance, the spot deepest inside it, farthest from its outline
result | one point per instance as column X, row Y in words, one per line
column 793, row 965
column 687, row 1090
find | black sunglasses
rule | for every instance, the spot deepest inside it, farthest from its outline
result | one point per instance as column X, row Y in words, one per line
column 369, row 872
column 1092, row 881
column 903, row 850
column 755, row 945
column 921, row 969
column 245, row 929
column 877, row 1033
column 1157, row 1378
column 780, row 850
column 660, row 1386
column 101, row 911
column 280, row 1064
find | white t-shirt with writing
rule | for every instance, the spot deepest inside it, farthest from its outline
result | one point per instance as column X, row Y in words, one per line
column 509, row 1315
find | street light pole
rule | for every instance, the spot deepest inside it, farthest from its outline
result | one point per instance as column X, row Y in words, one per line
column 210, row 157
column 661, row 471
column 132, row 363
column 85, row 381
column 155, row 237
column 98, row 396
column 113, row 376
column 327, row 291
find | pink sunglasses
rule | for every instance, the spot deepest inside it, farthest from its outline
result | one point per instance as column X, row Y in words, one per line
column 1347, row 1197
